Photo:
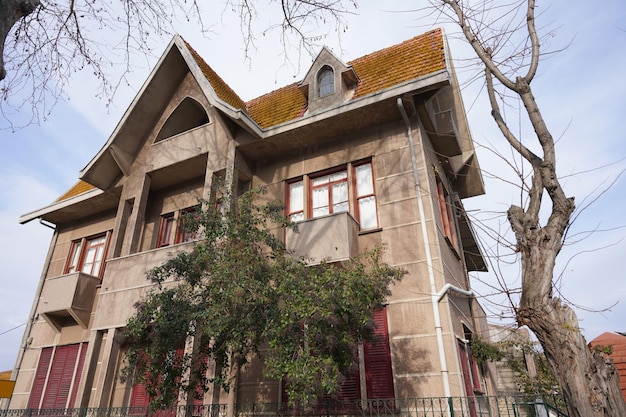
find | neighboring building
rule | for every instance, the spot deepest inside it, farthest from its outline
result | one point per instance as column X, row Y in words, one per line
column 617, row 343
column 506, row 376
column 373, row 151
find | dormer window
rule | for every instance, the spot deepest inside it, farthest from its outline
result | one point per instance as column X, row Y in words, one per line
column 326, row 81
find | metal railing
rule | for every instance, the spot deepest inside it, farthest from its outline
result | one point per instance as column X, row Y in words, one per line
column 478, row 406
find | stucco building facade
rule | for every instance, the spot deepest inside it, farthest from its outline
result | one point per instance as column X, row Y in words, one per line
column 372, row 151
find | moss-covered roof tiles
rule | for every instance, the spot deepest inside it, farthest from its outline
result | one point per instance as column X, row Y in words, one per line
column 400, row 63
column 78, row 188
column 395, row 65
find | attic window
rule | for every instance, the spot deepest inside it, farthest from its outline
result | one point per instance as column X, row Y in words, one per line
column 188, row 115
column 326, row 81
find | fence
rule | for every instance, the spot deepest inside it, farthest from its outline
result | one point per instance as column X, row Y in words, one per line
column 479, row 406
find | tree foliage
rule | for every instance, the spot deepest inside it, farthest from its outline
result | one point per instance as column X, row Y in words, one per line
column 238, row 293
column 540, row 381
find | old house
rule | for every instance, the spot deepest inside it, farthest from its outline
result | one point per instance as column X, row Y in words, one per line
column 372, row 151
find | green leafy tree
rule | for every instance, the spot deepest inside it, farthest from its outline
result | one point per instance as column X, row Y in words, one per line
column 239, row 290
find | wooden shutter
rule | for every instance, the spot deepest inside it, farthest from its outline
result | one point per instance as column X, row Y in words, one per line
column 139, row 397
column 378, row 373
column 60, row 378
column 40, row 378
column 79, row 372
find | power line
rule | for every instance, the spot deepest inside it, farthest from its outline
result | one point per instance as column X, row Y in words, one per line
column 10, row 330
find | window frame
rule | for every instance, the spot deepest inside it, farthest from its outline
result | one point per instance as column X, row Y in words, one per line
column 171, row 228
column 329, row 186
column 182, row 235
column 354, row 194
column 447, row 211
column 79, row 249
column 325, row 81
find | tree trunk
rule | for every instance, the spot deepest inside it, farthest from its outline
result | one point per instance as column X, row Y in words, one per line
column 589, row 383
column 10, row 12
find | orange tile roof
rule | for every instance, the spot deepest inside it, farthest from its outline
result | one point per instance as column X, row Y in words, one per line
column 278, row 107
column 397, row 64
column 400, row 63
column 223, row 90
column 78, row 188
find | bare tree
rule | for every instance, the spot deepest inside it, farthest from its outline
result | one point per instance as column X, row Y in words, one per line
column 43, row 43
column 590, row 384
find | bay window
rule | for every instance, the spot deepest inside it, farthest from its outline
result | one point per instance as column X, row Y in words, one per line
column 349, row 188
column 87, row 255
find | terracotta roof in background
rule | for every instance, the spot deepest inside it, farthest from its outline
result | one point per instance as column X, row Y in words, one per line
column 618, row 354
column 5, row 375
column 78, row 188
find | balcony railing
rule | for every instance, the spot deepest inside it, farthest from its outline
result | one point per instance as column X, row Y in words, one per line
column 479, row 406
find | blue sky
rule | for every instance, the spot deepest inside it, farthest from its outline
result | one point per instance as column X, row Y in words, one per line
column 581, row 92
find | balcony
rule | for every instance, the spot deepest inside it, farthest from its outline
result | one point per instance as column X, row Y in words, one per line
column 126, row 281
column 332, row 238
column 68, row 299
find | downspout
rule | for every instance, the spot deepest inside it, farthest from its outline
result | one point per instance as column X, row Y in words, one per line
column 31, row 317
column 435, row 297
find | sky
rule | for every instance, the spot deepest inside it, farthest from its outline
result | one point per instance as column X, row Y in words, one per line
column 580, row 90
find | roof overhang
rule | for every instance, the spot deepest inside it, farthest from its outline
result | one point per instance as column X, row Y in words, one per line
column 92, row 202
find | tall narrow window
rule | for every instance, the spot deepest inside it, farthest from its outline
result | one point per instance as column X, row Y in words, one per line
column 296, row 201
column 165, row 232
column 365, row 196
column 184, row 229
column 326, row 81
column 446, row 208
column 87, row 255
column 329, row 193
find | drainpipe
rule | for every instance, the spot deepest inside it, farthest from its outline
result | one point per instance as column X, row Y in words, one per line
column 26, row 339
column 435, row 296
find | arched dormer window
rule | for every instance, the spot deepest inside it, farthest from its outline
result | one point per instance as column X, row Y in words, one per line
column 325, row 81
column 188, row 115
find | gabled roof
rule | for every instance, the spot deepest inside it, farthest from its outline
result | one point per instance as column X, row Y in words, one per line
column 377, row 72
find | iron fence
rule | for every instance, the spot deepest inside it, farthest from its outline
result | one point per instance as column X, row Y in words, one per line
column 478, row 406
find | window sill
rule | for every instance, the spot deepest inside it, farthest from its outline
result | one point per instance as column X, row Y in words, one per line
column 369, row 231
column 452, row 247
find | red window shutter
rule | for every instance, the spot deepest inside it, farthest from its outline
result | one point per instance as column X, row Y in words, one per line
column 139, row 397
column 378, row 373
column 79, row 372
column 40, row 378
column 60, row 378
column 351, row 387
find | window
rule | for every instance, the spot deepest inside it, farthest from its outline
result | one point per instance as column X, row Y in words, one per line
column 349, row 188
column 326, row 81
column 329, row 194
column 59, row 371
column 447, row 209
column 295, row 199
column 375, row 359
column 87, row 255
column 184, row 232
column 173, row 229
